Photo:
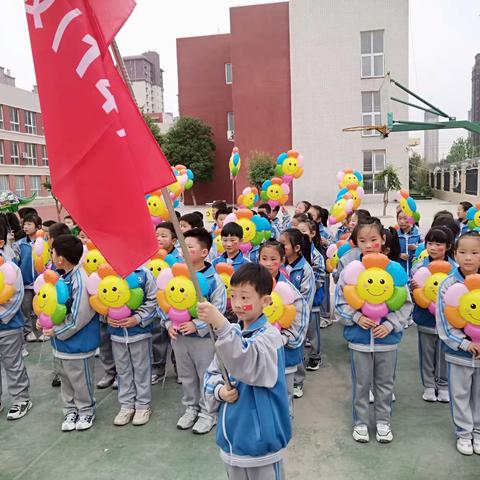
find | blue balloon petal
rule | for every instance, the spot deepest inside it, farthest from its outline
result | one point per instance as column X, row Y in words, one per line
column 147, row 196
column 266, row 184
column 471, row 213
column 281, row 158
column 132, row 280
column 341, row 193
column 411, row 203
column 257, row 220
column 62, row 291
column 343, row 249
column 170, row 259
column 203, row 284
column 359, row 175
column 398, row 274
column 419, row 249
column 264, row 225
column 190, row 175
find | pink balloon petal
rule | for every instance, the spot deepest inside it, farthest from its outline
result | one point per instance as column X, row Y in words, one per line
column 286, row 188
column 340, row 176
column 331, row 250
column 119, row 313
column 432, row 308
column 92, row 283
column 163, row 279
column 349, row 206
column 473, row 331
column 231, row 217
column 37, row 285
column 375, row 312
column 300, row 160
column 45, row 321
column 245, row 247
column 9, row 273
column 286, row 292
column 361, row 192
column 352, row 271
column 421, row 276
column 178, row 317
column 453, row 294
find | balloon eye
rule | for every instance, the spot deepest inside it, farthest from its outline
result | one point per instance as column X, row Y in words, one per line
column 44, row 295
column 382, row 282
column 94, row 260
column 370, row 280
column 172, row 289
column 114, row 289
column 182, row 290
column 435, row 284
column 473, row 306
column 104, row 290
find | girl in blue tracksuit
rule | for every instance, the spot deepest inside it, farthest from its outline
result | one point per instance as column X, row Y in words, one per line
column 461, row 353
column 272, row 256
column 433, row 366
column 373, row 348
column 410, row 238
column 300, row 273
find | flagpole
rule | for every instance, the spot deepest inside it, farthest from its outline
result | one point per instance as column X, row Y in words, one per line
column 175, row 222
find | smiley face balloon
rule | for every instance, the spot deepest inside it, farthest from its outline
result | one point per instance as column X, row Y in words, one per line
column 289, row 166
column 157, row 208
column 349, row 179
column 93, row 259
column 275, row 192
column 473, row 217
column 248, row 198
column 281, row 312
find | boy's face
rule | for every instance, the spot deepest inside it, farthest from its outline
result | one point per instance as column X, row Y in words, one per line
column 220, row 219
column 461, row 213
column 57, row 259
column 468, row 255
column 402, row 220
column 164, row 238
column 247, row 304
column 83, row 237
column 29, row 228
column 184, row 226
column 231, row 244
column 197, row 253
column 69, row 223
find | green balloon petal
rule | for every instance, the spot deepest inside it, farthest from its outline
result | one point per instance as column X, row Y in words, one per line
column 59, row 314
column 398, row 299
column 257, row 239
column 416, row 217
column 193, row 311
column 267, row 234
column 278, row 171
column 264, row 195
column 136, row 298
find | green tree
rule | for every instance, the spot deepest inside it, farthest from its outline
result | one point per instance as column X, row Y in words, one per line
column 261, row 167
column 154, row 128
column 58, row 205
column 392, row 183
column 419, row 175
column 462, row 149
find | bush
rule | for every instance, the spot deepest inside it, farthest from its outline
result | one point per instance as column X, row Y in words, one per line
column 261, row 167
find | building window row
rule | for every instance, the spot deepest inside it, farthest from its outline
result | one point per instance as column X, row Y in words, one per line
column 372, row 54
column 374, row 161
column 29, row 154
column 14, row 118
column 35, row 182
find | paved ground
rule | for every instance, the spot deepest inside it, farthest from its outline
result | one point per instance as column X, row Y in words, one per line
column 322, row 447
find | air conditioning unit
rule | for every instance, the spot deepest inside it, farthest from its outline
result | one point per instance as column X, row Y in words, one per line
column 231, row 135
column 24, row 155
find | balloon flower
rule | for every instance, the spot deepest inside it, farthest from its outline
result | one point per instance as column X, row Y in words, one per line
column 217, row 241
column 429, row 279
column 281, row 312
column 40, row 252
column 340, row 210
column 408, row 206
column 349, row 179
column 11, row 202
column 289, row 166
column 376, row 286
column 225, row 272
column 462, row 306
column 420, row 253
column 92, row 259
column 176, row 293
column 184, row 177
column 7, row 281
column 248, row 198
column 160, row 262
column 473, row 217
column 256, row 229
column 234, row 163
column 157, row 208
column 113, row 296
column 275, row 192
column 355, row 195
column 332, row 258
column 49, row 303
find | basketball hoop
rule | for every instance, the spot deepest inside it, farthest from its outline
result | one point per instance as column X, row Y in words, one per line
column 381, row 129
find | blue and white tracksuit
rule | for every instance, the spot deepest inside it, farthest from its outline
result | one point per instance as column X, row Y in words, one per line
column 406, row 239
column 253, row 431
column 463, row 368
column 373, row 360
column 237, row 261
column 350, row 256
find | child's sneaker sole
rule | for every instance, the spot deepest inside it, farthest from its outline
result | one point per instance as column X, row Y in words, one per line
column 21, row 413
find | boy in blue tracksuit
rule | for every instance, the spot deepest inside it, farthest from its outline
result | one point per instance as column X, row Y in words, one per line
column 191, row 342
column 409, row 237
column 11, row 342
column 254, row 424
column 232, row 234
column 23, row 250
column 75, row 340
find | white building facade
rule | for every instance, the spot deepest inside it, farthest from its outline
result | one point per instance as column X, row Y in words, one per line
column 340, row 52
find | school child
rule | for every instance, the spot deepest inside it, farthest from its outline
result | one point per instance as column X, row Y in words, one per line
column 11, row 343
column 373, row 348
column 232, row 234
column 272, row 256
column 216, row 206
column 254, row 426
column 320, row 217
column 462, row 210
column 302, row 207
column 191, row 342
column 391, row 248
column 189, row 221
column 410, row 238
column 279, row 225
column 300, row 273
column 433, row 366
column 70, row 223
column 461, row 353
column 75, row 340
column 6, row 251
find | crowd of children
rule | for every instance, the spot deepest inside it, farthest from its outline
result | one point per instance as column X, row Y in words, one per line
column 253, row 404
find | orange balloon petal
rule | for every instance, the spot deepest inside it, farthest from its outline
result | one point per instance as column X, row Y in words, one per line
column 472, row 282
column 348, row 170
column 97, row 305
column 288, row 316
column 39, row 266
column 105, row 270
column 40, row 234
column 226, row 268
column 454, row 318
column 2, row 261
column 420, row 299
column 162, row 301
column 277, row 181
column 292, row 153
column 378, row 260
column 351, row 296
column 162, row 253
column 440, row 266
column 36, row 308
column 180, row 269
column 90, row 245
column 404, row 193
column 244, row 213
column 50, row 276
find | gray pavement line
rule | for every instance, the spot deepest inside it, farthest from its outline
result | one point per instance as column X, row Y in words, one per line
column 60, row 437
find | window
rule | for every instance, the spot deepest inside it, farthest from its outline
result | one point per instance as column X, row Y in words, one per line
column 44, row 156
column 228, row 73
column 30, row 122
column 1, row 117
column 4, row 187
column 35, row 185
column 14, row 120
column 20, row 186
column 230, row 121
column 30, row 154
column 2, row 158
column 373, row 163
column 372, row 53
column 14, row 153
column 371, row 111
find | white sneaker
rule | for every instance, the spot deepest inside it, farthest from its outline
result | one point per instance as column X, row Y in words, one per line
column 360, row 434
column 429, row 395
column 31, row 337
column 69, row 422
column 85, row 422
column 142, row 417
column 476, row 445
column 394, row 398
column 43, row 338
column 384, row 433
column 297, row 391
column 443, row 396
column 188, row 419
column 19, row 410
column 24, row 352
column 124, row 416
column 371, row 397
column 204, row 424
column 464, row 446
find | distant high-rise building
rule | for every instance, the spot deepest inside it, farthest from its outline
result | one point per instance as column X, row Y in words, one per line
column 475, row 112
column 147, row 81
column 430, row 148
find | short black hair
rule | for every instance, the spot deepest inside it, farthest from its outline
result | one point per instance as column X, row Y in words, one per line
column 232, row 229
column 3, row 232
column 219, row 205
column 200, row 214
column 68, row 216
column 24, row 211
column 167, row 226
column 178, row 214
column 193, row 219
column 203, row 237
column 469, row 234
column 58, row 229
column 442, row 213
column 48, row 223
column 70, row 247
column 255, row 275
column 266, row 207
column 466, row 205
column 32, row 218
column 222, row 211
column 392, row 242
column 441, row 234
column 444, row 220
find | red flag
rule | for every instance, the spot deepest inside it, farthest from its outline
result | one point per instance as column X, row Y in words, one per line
column 103, row 158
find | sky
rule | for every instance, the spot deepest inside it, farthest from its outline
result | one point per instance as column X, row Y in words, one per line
column 444, row 38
